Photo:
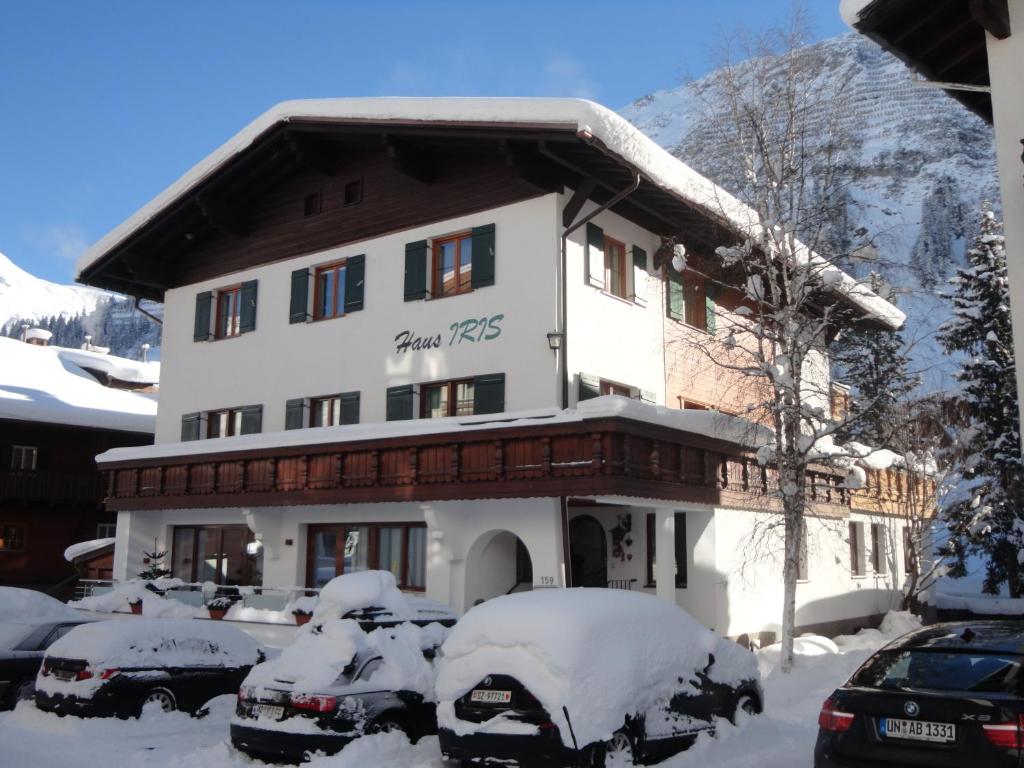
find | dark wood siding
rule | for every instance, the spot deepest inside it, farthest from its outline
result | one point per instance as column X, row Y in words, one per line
column 392, row 201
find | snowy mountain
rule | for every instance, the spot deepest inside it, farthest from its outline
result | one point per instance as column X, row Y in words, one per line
column 918, row 167
column 73, row 311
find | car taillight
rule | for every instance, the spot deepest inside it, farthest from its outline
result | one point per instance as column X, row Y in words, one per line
column 314, row 703
column 106, row 674
column 83, row 674
column 45, row 670
column 1008, row 735
column 245, row 693
column 834, row 719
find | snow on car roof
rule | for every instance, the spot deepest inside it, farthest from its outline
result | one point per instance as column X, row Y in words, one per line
column 352, row 594
column 600, row 653
column 38, row 384
column 129, row 643
column 28, row 605
column 585, row 117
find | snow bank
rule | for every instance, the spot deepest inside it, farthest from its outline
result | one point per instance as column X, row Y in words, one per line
column 157, row 642
column 85, row 547
column 600, row 653
column 983, row 605
column 154, row 606
column 37, row 385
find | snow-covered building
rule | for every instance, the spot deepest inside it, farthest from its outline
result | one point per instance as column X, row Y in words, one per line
column 59, row 408
column 975, row 50
column 429, row 336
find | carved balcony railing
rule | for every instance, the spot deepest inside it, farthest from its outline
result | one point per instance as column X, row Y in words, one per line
column 41, row 486
column 608, row 457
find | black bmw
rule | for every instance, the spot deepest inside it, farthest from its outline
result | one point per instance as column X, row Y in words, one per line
column 948, row 695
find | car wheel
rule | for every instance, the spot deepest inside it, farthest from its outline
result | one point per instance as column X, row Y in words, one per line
column 745, row 703
column 388, row 724
column 160, row 696
column 618, row 751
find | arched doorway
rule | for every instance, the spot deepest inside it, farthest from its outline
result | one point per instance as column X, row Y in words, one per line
column 497, row 564
column 588, row 550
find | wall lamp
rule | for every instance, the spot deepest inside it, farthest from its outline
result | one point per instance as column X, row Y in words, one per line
column 555, row 340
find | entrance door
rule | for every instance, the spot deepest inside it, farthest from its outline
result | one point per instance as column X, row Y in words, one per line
column 588, row 549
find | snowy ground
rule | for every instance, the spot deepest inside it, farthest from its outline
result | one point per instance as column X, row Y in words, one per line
column 783, row 737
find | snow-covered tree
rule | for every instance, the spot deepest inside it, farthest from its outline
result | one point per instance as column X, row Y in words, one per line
column 984, row 504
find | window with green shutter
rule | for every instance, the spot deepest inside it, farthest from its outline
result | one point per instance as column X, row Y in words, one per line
column 295, row 413
column 416, row 270
column 489, row 393
column 191, row 424
column 594, row 258
column 400, row 403
column 298, row 307
column 204, row 305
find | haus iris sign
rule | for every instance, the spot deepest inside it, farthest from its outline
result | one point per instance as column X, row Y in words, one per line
column 471, row 331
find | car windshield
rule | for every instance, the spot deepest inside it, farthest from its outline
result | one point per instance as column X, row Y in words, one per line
column 979, row 672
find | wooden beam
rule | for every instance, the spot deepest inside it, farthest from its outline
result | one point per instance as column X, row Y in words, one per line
column 540, row 174
column 313, row 154
column 993, row 16
column 412, row 161
column 145, row 271
column 222, row 214
column 578, row 199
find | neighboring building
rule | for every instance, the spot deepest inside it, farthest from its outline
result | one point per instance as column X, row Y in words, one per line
column 55, row 416
column 389, row 325
column 974, row 48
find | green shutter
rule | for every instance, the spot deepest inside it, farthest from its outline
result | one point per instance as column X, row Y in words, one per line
column 416, row 270
column 590, row 386
column 204, row 303
column 681, row 549
column 674, row 299
column 483, row 256
column 400, row 403
column 710, row 294
column 252, row 419
column 247, row 310
column 639, row 258
column 295, row 413
column 190, row 423
column 639, row 277
column 349, row 407
column 298, row 311
column 355, row 276
column 489, row 393
column 594, row 258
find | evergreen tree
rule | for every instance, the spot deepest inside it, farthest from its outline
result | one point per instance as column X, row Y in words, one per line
column 984, row 506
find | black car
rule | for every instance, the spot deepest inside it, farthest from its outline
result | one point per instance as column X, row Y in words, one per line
column 22, row 645
column 945, row 695
column 300, row 704
column 118, row 667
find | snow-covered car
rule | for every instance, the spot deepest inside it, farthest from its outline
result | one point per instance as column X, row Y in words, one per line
column 364, row 664
column 29, row 623
column 575, row 676
column 116, row 668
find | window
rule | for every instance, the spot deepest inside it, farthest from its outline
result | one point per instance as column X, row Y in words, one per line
column 354, row 192
column 680, row 549
column 857, row 566
column 447, row 398
column 909, row 550
column 106, row 530
column 23, row 458
column 325, row 411
column 330, row 291
column 594, row 386
column 611, row 388
column 218, row 553
column 347, row 548
column 12, row 538
column 453, row 265
column 801, row 563
column 312, row 204
column 878, row 558
column 229, row 312
column 687, row 301
column 224, row 423
column 615, row 268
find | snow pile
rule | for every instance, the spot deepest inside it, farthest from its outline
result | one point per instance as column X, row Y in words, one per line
column 120, row 368
column 894, row 624
column 25, row 605
column 37, row 385
column 153, row 605
column 353, row 591
column 85, row 548
column 602, row 654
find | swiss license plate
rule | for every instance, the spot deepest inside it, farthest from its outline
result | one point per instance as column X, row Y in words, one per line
column 269, row 710
column 491, row 697
column 918, row 730
column 64, row 675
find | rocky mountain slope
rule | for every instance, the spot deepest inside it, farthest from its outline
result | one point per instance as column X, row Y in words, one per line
column 918, row 167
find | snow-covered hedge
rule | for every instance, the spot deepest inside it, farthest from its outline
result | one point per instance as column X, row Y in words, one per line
column 600, row 653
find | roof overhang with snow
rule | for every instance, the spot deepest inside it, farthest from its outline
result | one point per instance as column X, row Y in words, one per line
column 944, row 40
column 550, row 143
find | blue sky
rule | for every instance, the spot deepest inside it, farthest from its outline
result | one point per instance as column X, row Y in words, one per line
column 105, row 104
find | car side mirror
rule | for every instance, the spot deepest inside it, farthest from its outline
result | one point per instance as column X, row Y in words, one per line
column 710, row 664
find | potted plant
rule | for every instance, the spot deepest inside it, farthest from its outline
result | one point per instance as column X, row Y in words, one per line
column 219, row 606
column 135, row 604
column 302, row 616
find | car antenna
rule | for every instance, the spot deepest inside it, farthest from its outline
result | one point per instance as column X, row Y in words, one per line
column 568, row 721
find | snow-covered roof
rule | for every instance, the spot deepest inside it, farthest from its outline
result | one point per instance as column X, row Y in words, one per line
column 706, row 423
column 40, row 384
column 851, row 10
column 83, row 548
column 120, row 368
column 618, row 136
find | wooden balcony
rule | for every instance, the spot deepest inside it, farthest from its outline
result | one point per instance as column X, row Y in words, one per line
column 51, row 486
column 609, row 457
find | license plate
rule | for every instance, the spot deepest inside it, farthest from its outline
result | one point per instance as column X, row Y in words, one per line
column 269, row 710
column 491, row 697
column 918, row 730
column 64, row 675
